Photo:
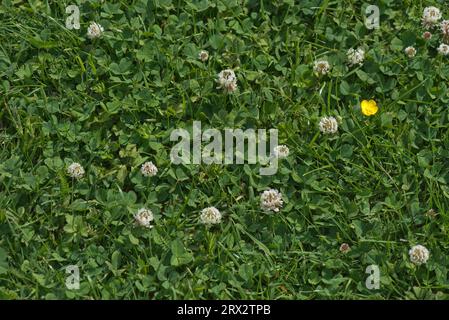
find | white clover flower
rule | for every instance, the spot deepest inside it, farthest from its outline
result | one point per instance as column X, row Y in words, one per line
column 419, row 254
column 445, row 29
column 210, row 216
column 143, row 218
column 410, row 52
column 271, row 200
column 345, row 248
column 203, row 55
column 322, row 67
column 431, row 213
column 75, row 170
column 355, row 56
column 148, row 169
column 443, row 49
column 328, row 125
column 94, row 31
column 281, row 151
column 430, row 17
column 427, row 35
column 227, row 80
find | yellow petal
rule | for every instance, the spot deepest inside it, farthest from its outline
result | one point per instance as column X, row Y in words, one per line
column 364, row 104
column 369, row 108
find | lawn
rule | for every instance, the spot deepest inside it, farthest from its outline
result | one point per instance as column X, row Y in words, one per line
column 92, row 205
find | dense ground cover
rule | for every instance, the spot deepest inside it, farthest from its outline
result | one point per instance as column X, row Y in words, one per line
column 379, row 184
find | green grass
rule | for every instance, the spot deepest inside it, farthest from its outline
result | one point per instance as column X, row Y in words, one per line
column 111, row 104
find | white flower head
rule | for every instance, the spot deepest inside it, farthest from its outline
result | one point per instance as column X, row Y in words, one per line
column 345, row 248
column 427, row 35
column 410, row 52
column 419, row 254
column 430, row 17
column 328, row 125
column 203, row 55
column 321, row 67
column 75, row 170
column 355, row 56
column 95, row 30
column 144, row 217
column 227, row 80
column 431, row 213
column 281, row 151
column 443, row 49
column 271, row 200
column 210, row 216
column 148, row 169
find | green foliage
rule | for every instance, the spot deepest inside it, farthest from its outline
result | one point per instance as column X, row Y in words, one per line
column 111, row 104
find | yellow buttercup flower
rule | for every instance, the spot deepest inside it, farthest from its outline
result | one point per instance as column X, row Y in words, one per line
column 369, row 107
